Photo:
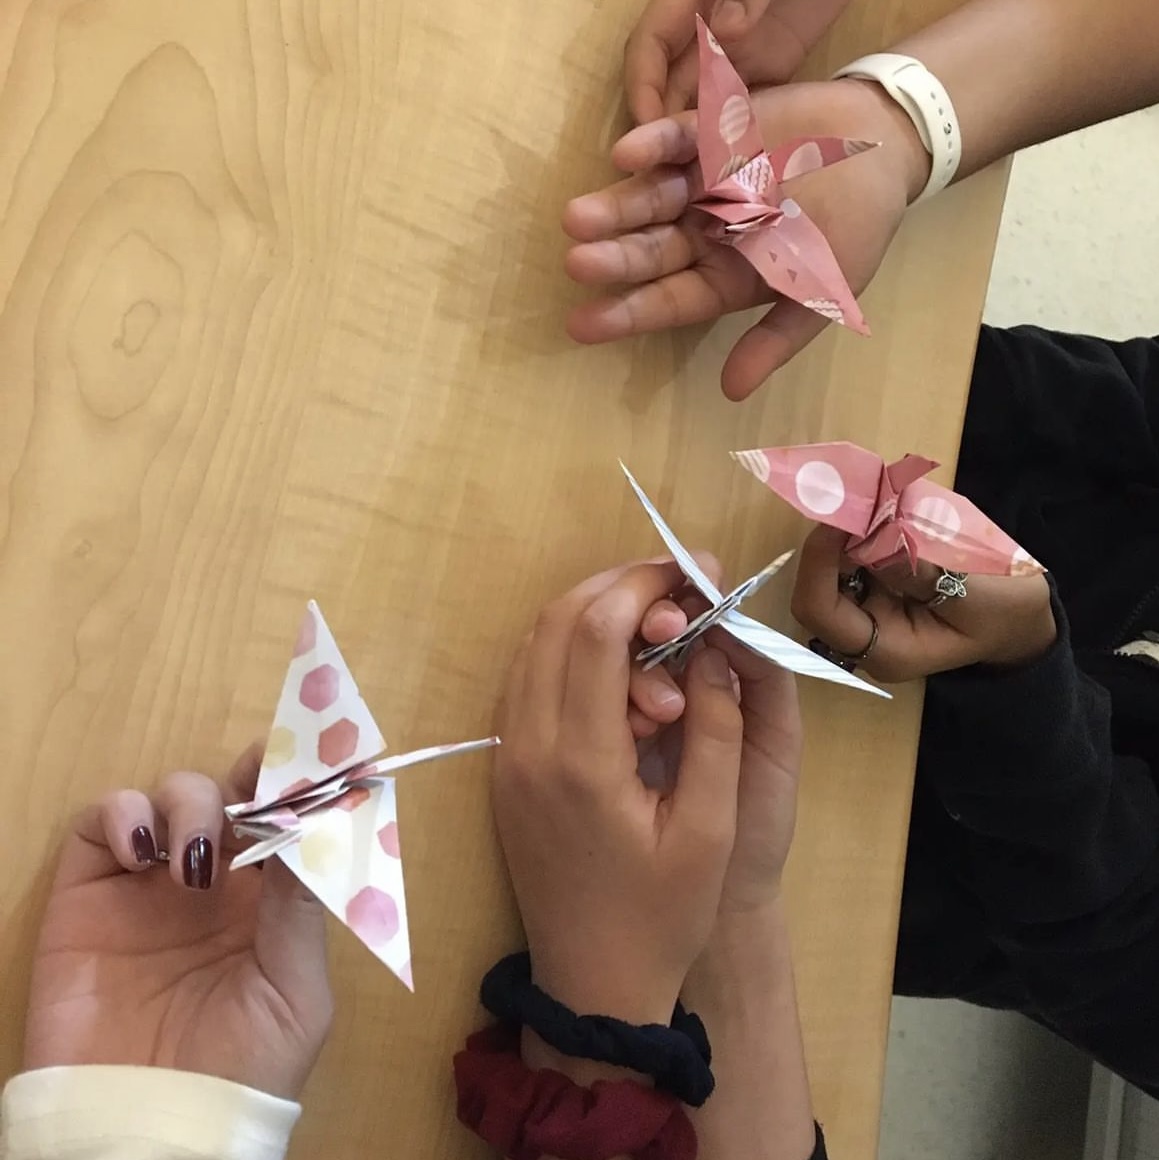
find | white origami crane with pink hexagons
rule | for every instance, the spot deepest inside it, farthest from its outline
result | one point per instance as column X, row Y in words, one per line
column 891, row 512
column 326, row 806
column 743, row 191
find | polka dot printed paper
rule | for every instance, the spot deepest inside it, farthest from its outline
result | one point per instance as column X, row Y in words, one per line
column 742, row 184
column 890, row 511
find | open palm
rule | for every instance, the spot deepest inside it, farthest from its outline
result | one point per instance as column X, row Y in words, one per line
column 640, row 238
column 134, row 967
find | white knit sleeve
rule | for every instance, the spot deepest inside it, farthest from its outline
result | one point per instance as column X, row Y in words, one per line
column 139, row 1113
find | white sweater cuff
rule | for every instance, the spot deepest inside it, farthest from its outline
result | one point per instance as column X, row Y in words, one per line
column 140, row 1113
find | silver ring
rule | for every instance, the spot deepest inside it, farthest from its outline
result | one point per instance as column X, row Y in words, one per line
column 845, row 660
column 948, row 586
column 864, row 654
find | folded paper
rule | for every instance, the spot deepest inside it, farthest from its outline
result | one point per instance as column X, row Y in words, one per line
column 743, row 191
column 326, row 806
column 724, row 613
column 891, row 512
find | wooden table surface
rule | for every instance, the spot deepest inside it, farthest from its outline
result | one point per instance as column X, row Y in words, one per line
column 281, row 309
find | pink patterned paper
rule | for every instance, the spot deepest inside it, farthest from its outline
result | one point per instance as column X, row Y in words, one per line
column 324, row 803
column 742, row 190
column 890, row 511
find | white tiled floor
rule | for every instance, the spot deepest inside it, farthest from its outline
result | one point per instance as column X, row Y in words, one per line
column 1078, row 250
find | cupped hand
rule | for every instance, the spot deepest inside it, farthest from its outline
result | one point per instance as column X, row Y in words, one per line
column 618, row 883
column 766, row 40
column 182, row 965
column 641, row 234
column 1002, row 620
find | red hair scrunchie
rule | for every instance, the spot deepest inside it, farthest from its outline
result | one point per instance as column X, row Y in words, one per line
column 529, row 1114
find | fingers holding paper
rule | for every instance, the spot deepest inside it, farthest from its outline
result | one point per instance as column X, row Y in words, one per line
column 1002, row 620
column 598, row 859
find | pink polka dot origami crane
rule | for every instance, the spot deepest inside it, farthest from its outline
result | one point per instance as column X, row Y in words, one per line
column 743, row 192
column 891, row 512
column 723, row 613
column 326, row 806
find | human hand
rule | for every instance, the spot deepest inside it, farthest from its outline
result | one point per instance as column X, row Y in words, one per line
column 641, row 233
column 1003, row 620
column 766, row 40
column 185, row 966
column 770, row 760
column 618, row 883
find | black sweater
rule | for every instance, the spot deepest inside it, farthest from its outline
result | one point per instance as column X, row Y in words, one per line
column 1032, row 880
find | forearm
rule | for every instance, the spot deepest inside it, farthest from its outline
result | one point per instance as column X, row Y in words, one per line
column 743, row 989
column 1053, row 823
column 1024, row 71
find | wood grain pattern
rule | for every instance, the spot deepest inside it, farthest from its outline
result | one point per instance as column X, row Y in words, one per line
column 281, row 316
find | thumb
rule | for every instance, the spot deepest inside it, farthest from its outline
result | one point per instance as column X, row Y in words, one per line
column 732, row 19
column 706, row 787
column 782, row 333
column 290, row 942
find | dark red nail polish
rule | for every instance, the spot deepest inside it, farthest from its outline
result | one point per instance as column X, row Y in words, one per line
column 197, row 864
column 144, row 848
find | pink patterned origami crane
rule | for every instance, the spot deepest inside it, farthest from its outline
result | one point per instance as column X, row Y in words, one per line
column 326, row 807
column 742, row 190
column 889, row 510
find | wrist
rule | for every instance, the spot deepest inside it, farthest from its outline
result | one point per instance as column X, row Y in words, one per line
column 902, row 149
column 740, row 961
column 605, row 989
column 1034, row 641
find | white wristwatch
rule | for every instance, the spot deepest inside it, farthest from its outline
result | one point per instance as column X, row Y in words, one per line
column 926, row 103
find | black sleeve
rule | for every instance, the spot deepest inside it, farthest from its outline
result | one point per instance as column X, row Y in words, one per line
column 819, row 1152
column 1059, row 845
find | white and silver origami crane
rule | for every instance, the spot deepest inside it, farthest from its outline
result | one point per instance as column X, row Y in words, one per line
column 326, row 807
column 723, row 613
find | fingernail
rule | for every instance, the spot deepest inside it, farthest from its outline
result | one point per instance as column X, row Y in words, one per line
column 728, row 15
column 716, row 670
column 144, row 848
column 667, row 697
column 197, row 864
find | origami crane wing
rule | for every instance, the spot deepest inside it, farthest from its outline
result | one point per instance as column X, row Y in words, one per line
column 728, row 137
column 887, row 510
column 757, row 637
column 325, row 807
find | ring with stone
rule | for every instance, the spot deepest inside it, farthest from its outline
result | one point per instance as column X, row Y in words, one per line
column 854, row 586
column 948, row 586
